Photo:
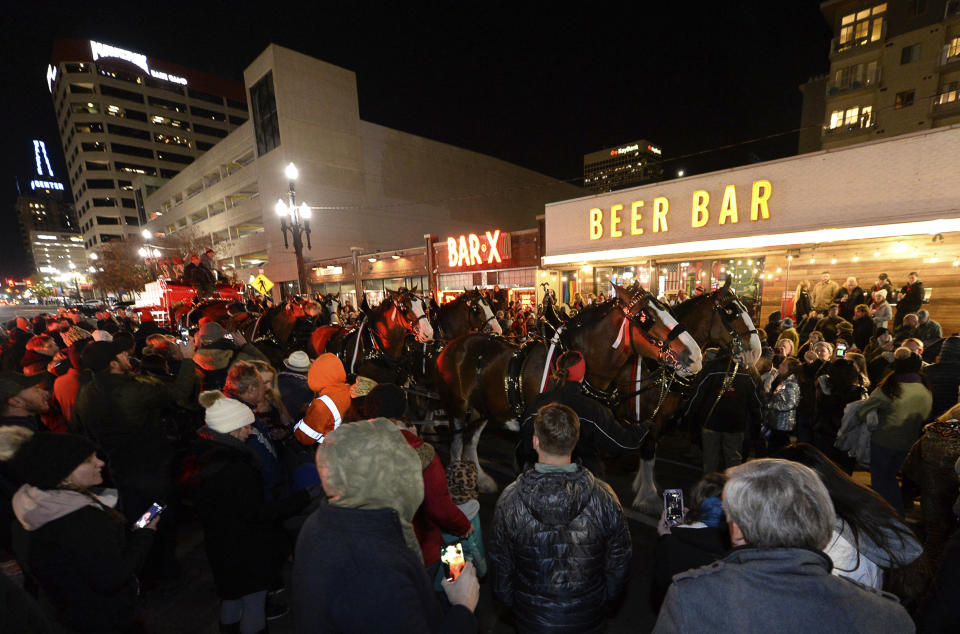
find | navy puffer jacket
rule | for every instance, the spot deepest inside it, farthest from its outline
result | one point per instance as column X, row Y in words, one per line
column 560, row 550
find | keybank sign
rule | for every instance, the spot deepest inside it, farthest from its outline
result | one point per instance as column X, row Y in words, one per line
column 100, row 50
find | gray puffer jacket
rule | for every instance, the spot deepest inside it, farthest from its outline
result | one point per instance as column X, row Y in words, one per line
column 560, row 550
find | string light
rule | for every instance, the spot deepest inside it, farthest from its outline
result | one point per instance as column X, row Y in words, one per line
column 813, row 260
column 856, row 258
column 876, row 254
column 833, row 261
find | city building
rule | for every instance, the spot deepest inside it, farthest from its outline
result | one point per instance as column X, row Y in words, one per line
column 626, row 165
column 57, row 252
column 122, row 114
column 41, row 209
column 884, row 206
column 367, row 186
column 894, row 68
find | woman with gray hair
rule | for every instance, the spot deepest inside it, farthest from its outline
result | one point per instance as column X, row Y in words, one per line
column 777, row 578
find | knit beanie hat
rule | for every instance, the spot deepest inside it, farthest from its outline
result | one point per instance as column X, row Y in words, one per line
column 102, row 335
column 43, row 460
column 210, row 332
column 787, row 323
column 462, row 481
column 362, row 387
column 74, row 334
column 386, row 400
column 224, row 414
column 911, row 364
column 97, row 355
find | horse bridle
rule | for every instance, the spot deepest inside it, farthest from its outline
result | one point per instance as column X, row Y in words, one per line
column 476, row 304
column 412, row 325
column 736, row 338
column 644, row 322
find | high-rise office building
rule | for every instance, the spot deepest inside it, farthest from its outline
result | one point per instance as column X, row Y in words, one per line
column 41, row 210
column 122, row 114
column 627, row 165
column 894, row 68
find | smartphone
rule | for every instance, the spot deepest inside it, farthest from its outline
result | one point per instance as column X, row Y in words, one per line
column 841, row 349
column 451, row 558
column 155, row 509
column 673, row 503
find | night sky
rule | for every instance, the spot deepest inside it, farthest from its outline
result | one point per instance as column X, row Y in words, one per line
column 535, row 84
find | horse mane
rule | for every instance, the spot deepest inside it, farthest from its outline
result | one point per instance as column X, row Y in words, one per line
column 591, row 315
column 687, row 306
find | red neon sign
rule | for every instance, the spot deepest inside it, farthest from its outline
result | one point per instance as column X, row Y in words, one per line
column 470, row 249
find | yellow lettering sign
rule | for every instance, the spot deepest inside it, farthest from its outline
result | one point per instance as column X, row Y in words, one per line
column 452, row 254
column 474, row 249
column 758, row 201
column 635, row 218
column 463, row 254
column 700, row 215
column 729, row 207
column 596, row 224
column 660, row 208
column 615, row 221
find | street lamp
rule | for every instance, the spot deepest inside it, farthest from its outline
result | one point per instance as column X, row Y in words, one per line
column 296, row 220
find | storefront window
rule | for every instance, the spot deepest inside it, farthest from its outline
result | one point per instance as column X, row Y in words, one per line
column 746, row 279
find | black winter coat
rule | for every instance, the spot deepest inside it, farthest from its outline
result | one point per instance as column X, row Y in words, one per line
column 863, row 329
column 86, row 563
column 245, row 545
column 944, row 380
column 683, row 549
column 911, row 299
column 600, row 432
column 736, row 409
column 122, row 413
column 560, row 550
column 354, row 574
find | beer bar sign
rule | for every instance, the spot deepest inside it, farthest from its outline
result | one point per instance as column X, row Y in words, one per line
column 476, row 249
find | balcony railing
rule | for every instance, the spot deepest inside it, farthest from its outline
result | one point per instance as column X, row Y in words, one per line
column 870, row 80
column 864, row 126
column 945, row 104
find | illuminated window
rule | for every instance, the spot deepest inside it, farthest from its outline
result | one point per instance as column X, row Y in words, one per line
column 949, row 94
column 862, row 27
column 903, row 99
column 850, row 115
column 953, row 47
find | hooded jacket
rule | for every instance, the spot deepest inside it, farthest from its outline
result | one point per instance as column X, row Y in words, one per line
column 328, row 380
column 560, row 550
column 83, row 559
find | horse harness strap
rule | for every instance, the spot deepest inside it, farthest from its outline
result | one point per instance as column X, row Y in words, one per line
column 727, row 382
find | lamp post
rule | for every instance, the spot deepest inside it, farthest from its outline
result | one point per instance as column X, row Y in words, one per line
column 296, row 220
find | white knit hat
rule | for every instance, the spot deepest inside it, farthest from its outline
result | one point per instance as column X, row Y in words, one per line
column 224, row 414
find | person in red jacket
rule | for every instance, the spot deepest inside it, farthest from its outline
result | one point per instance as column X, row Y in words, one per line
column 437, row 513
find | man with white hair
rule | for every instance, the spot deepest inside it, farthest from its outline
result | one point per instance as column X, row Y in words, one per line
column 777, row 578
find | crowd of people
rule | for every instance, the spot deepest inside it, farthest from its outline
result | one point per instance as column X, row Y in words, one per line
column 316, row 494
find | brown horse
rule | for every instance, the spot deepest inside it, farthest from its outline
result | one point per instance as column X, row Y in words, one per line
column 718, row 319
column 470, row 312
column 375, row 347
column 493, row 378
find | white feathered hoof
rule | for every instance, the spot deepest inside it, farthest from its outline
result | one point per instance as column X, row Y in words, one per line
column 648, row 504
column 513, row 425
column 486, row 483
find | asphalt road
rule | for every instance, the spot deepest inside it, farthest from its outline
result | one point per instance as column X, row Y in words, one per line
column 12, row 311
column 193, row 607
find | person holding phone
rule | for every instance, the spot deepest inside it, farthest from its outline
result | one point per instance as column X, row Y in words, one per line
column 358, row 565
column 68, row 536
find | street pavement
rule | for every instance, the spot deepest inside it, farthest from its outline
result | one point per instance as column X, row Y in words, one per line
column 193, row 607
column 12, row 311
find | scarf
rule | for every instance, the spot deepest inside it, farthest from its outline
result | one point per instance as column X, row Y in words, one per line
column 373, row 467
